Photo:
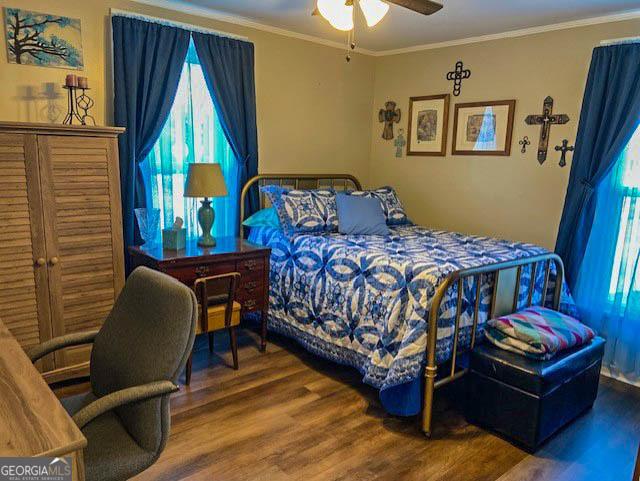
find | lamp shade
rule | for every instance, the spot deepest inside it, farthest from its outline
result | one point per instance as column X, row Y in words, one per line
column 339, row 15
column 205, row 180
column 373, row 10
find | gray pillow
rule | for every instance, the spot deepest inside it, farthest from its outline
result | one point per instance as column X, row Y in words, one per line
column 360, row 216
column 391, row 205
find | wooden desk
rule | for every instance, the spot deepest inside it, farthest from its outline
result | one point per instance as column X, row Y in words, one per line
column 32, row 420
column 231, row 254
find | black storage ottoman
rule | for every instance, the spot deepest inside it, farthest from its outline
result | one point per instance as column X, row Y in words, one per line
column 527, row 401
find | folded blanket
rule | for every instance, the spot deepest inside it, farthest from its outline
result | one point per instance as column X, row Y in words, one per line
column 537, row 332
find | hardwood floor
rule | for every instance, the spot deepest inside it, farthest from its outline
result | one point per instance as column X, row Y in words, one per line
column 287, row 415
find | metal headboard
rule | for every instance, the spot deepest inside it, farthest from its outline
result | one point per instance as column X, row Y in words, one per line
column 296, row 181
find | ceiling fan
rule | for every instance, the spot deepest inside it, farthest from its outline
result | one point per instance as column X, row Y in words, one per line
column 340, row 13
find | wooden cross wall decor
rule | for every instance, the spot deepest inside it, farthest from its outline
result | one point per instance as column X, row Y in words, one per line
column 389, row 114
column 458, row 75
column 546, row 120
column 564, row 148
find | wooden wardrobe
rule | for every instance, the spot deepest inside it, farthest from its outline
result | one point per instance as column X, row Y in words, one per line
column 61, row 249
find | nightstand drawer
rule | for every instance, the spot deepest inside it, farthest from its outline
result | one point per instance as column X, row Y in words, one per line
column 250, row 294
column 251, row 285
column 189, row 274
column 251, row 305
column 248, row 266
column 250, row 291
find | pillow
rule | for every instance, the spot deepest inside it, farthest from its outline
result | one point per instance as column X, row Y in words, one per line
column 304, row 211
column 537, row 332
column 391, row 205
column 263, row 218
column 360, row 216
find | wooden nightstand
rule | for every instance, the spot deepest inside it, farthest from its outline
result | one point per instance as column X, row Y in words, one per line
column 229, row 255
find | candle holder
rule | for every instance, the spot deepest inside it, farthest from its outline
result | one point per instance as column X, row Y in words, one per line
column 78, row 106
column 72, row 106
column 85, row 103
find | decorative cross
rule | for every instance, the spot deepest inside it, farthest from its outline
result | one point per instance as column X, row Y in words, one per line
column 458, row 75
column 400, row 142
column 525, row 142
column 389, row 114
column 564, row 149
column 547, row 119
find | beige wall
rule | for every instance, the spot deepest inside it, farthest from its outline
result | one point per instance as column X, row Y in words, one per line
column 511, row 197
column 313, row 107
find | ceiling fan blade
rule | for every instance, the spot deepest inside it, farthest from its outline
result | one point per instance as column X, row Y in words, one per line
column 425, row 7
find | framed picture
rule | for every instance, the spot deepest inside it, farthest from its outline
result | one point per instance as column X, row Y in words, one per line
column 428, row 125
column 483, row 128
column 41, row 39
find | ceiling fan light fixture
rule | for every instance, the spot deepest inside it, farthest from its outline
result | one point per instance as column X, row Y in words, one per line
column 374, row 11
column 339, row 15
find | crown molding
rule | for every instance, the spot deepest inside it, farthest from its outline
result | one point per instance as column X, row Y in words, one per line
column 246, row 22
column 523, row 32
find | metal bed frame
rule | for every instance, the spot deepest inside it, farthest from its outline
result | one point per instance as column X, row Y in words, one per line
column 504, row 297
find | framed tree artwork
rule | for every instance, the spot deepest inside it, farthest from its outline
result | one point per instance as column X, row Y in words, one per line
column 428, row 125
column 483, row 128
column 41, row 39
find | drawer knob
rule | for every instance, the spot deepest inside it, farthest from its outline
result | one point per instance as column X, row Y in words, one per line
column 202, row 270
column 53, row 261
column 251, row 286
column 251, row 265
column 41, row 261
column 250, row 304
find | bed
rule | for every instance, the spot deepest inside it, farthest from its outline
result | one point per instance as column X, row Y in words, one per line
column 367, row 301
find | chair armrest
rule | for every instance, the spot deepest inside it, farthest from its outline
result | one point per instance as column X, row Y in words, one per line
column 121, row 398
column 57, row 343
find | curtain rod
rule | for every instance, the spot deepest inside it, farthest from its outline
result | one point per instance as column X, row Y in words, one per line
column 187, row 26
column 620, row 41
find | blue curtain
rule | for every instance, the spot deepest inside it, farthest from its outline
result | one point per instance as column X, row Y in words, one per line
column 147, row 63
column 192, row 133
column 610, row 114
column 608, row 286
column 228, row 66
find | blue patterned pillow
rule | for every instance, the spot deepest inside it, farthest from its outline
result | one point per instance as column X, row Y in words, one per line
column 391, row 205
column 304, row 211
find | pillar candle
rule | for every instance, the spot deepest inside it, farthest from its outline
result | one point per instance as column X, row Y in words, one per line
column 83, row 82
column 71, row 81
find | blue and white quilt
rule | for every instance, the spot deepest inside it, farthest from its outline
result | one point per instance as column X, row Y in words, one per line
column 364, row 301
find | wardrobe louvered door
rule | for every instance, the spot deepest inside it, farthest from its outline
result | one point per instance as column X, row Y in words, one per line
column 24, row 304
column 80, row 190
column 61, row 253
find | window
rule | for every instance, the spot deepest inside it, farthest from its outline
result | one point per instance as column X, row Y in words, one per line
column 192, row 133
column 628, row 236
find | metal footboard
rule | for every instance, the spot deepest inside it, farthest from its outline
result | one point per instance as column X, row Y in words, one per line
column 504, row 300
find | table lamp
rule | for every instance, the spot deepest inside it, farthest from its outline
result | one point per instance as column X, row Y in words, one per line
column 205, row 181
